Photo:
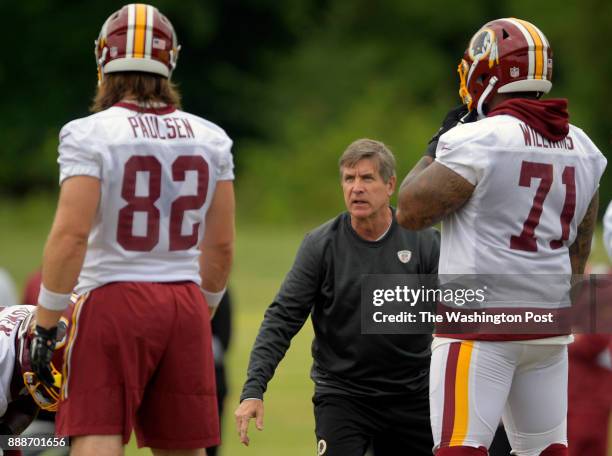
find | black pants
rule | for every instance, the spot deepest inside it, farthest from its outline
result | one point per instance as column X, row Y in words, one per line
column 395, row 425
column 221, row 393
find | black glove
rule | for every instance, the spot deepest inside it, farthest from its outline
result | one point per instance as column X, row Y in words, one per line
column 41, row 353
column 459, row 114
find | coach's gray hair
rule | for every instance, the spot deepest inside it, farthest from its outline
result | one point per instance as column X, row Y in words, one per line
column 369, row 148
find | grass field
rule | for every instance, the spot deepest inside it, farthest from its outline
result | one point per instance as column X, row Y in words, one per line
column 263, row 256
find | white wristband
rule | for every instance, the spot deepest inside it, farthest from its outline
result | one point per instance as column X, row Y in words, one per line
column 51, row 300
column 213, row 298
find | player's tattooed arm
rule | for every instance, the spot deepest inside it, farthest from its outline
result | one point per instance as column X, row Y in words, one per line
column 581, row 248
column 429, row 195
column 423, row 163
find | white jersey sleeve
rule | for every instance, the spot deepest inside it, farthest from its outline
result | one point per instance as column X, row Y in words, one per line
column 224, row 161
column 461, row 153
column 10, row 317
column 158, row 173
column 78, row 154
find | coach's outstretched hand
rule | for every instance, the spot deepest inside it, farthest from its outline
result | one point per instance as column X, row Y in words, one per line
column 458, row 114
column 41, row 353
column 248, row 408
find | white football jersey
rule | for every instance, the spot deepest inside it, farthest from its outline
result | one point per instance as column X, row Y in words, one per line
column 158, row 172
column 530, row 196
column 10, row 317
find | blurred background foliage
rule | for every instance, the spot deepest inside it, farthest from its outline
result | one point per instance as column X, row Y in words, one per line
column 292, row 82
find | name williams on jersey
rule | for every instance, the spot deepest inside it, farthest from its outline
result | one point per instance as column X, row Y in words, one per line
column 535, row 139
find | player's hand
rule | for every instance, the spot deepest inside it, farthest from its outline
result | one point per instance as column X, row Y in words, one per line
column 249, row 408
column 41, row 353
column 458, row 114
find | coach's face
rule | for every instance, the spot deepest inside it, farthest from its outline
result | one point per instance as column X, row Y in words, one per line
column 366, row 194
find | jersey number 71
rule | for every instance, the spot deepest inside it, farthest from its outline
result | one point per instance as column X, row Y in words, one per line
column 544, row 171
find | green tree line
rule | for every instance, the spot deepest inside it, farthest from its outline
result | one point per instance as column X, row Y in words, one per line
column 292, row 82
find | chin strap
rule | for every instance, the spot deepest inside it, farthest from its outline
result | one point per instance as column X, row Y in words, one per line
column 100, row 62
column 485, row 95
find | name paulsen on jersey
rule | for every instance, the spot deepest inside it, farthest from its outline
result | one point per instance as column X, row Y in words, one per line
column 463, row 317
column 144, row 126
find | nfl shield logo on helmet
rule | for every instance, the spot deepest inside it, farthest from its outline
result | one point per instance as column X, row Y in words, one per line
column 158, row 43
column 514, row 72
column 404, row 255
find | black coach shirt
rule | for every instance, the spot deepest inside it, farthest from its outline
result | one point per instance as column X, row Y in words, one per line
column 325, row 282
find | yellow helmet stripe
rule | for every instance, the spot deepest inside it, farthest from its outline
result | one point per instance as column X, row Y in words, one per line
column 539, row 49
column 140, row 30
column 545, row 48
column 530, row 44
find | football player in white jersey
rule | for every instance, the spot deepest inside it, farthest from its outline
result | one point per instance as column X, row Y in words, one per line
column 22, row 394
column 144, row 234
column 516, row 192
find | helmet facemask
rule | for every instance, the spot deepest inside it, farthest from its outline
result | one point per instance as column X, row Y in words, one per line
column 46, row 397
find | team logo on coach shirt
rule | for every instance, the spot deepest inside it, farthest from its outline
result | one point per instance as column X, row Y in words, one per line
column 321, row 447
column 404, row 255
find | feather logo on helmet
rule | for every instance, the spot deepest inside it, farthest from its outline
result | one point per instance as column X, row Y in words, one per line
column 484, row 45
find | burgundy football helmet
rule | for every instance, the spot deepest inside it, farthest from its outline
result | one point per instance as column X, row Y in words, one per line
column 46, row 397
column 505, row 55
column 137, row 38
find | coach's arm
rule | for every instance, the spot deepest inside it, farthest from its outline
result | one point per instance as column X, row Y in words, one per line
column 282, row 320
